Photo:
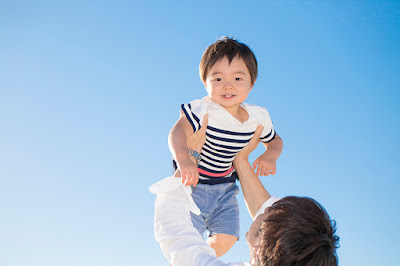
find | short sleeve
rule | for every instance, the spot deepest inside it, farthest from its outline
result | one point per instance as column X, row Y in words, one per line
column 265, row 205
column 268, row 133
column 267, row 136
column 194, row 112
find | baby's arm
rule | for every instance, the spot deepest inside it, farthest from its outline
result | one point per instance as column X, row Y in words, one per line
column 266, row 162
column 177, row 141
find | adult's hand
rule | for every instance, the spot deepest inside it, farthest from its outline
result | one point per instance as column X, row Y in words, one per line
column 253, row 190
column 245, row 152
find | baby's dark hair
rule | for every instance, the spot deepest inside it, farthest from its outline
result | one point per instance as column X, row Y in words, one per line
column 230, row 48
column 298, row 232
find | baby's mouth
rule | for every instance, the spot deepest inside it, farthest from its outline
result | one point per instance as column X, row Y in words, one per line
column 228, row 96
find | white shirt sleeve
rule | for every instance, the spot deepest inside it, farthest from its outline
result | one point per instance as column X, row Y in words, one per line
column 265, row 205
column 180, row 242
column 268, row 133
column 194, row 112
column 261, row 115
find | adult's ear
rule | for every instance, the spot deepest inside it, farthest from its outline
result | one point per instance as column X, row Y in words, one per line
column 255, row 257
column 255, row 250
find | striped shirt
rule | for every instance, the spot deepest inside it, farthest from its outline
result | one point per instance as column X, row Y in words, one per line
column 225, row 136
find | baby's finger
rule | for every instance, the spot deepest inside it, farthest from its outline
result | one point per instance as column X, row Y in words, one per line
column 194, row 177
column 195, row 180
column 183, row 177
column 259, row 168
column 267, row 171
column 189, row 180
column 255, row 164
column 273, row 171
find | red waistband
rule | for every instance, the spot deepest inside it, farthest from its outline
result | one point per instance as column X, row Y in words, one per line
column 201, row 171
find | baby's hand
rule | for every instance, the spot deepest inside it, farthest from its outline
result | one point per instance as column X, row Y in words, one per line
column 189, row 172
column 265, row 165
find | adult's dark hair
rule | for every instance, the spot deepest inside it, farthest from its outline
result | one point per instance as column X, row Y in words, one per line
column 298, row 231
column 230, row 48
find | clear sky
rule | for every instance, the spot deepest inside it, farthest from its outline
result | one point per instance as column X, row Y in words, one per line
column 90, row 89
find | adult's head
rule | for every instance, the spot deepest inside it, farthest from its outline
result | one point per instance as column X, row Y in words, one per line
column 229, row 48
column 294, row 231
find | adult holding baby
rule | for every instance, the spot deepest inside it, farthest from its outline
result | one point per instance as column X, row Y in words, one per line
column 287, row 231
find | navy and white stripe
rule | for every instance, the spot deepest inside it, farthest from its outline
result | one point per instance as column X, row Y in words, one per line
column 220, row 149
column 270, row 136
column 193, row 119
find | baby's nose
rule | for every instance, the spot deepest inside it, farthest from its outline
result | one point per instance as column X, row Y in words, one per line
column 228, row 85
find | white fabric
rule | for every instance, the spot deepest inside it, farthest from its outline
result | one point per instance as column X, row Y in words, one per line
column 171, row 183
column 180, row 242
column 220, row 118
column 265, row 205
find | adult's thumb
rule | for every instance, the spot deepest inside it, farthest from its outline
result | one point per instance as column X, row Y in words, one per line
column 257, row 133
column 205, row 123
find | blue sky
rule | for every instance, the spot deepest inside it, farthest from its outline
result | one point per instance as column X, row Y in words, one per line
column 90, row 89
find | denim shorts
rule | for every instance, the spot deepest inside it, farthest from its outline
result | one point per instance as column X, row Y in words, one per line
column 219, row 209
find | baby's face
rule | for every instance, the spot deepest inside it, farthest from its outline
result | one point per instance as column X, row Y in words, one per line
column 229, row 84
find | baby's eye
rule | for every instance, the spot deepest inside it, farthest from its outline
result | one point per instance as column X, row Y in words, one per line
column 218, row 79
column 238, row 78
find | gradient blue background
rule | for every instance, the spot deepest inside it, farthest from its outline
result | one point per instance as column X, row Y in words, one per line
column 90, row 89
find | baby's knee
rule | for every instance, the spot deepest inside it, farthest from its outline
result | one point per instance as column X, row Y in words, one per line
column 221, row 243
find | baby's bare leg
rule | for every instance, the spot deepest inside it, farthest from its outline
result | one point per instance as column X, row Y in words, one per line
column 221, row 243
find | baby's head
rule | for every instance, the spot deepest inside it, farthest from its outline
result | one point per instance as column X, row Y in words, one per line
column 229, row 48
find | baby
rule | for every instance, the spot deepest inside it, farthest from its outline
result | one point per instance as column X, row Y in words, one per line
column 228, row 70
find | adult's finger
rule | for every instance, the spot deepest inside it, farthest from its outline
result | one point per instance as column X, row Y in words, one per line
column 256, row 136
column 205, row 122
column 253, row 143
column 203, row 128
